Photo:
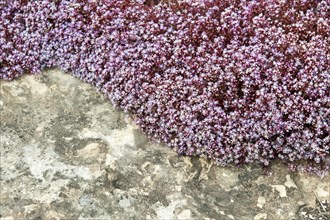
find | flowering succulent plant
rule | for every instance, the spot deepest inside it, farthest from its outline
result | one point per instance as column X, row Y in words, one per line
column 236, row 81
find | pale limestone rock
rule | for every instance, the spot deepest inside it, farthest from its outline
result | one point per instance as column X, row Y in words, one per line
column 280, row 189
column 289, row 182
column 185, row 214
column 261, row 202
column 260, row 216
column 67, row 153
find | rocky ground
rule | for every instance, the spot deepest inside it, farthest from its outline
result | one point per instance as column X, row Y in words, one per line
column 67, row 153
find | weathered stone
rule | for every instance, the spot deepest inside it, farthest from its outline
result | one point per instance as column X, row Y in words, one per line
column 66, row 153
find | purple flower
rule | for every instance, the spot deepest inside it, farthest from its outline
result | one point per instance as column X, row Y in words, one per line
column 235, row 81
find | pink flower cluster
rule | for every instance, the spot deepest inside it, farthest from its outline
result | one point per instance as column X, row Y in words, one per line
column 236, row 81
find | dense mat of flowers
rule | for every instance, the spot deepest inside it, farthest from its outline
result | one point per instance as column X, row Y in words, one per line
column 236, row 81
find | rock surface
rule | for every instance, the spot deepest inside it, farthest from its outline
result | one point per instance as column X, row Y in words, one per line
column 67, row 153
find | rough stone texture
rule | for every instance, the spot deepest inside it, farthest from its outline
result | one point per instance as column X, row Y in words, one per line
column 66, row 153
